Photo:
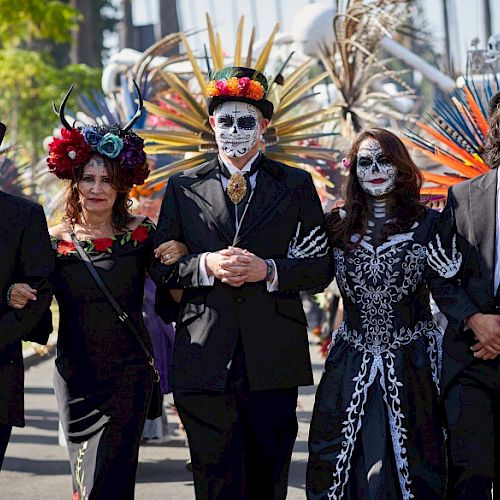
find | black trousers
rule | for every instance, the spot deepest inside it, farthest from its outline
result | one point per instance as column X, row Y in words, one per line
column 5, row 431
column 472, row 405
column 240, row 441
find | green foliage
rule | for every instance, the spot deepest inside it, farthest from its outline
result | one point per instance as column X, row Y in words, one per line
column 30, row 78
column 23, row 21
column 30, row 82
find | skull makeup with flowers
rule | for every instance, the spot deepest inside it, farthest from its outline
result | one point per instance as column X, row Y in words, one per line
column 376, row 173
column 236, row 127
column 76, row 146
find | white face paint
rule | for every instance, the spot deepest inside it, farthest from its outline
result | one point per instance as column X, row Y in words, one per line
column 236, row 127
column 376, row 174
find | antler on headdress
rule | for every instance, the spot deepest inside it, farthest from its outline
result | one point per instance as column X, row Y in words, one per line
column 127, row 127
column 138, row 112
column 60, row 111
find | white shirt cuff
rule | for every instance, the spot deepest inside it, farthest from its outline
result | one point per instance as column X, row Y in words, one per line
column 203, row 278
column 272, row 286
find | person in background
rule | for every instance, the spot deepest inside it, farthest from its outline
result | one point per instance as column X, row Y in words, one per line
column 466, row 253
column 27, row 260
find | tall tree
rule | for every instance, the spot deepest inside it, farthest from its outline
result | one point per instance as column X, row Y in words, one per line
column 30, row 78
column 97, row 17
column 169, row 21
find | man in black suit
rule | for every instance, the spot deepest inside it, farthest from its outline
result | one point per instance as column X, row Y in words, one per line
column 254, row 230
column 27, row 257
column 467, row 252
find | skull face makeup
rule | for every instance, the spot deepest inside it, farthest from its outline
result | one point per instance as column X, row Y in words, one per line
column 236, row 127
column 376, row 174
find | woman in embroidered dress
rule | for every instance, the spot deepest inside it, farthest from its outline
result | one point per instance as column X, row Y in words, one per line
column 375, row 431
column 103, row 379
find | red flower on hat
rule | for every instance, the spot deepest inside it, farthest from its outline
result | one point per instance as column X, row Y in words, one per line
column 140, row 234
column 68, row 153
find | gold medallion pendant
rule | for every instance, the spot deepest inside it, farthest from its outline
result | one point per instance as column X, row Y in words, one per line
column 236, row 187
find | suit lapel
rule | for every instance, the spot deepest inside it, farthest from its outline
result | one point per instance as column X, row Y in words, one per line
column 210, row 197
column 482, row 199
column 269, row 191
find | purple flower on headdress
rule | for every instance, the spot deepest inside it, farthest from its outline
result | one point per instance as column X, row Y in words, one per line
column 346, row 163
column 132, row 154
column 92, row 136
column 110, row 145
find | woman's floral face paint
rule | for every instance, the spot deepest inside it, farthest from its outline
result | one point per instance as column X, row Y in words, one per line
column 236, row 127
column 376, row 173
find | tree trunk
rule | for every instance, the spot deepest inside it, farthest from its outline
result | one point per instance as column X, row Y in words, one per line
column 127, row 29
column 487, row 19
column 82, row 47
column 169, row 22
column 446, row 21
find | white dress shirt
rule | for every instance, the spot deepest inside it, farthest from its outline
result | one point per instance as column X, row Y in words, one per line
column 203, row 278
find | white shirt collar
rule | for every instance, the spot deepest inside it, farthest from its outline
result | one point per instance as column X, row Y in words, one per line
column 233, row 170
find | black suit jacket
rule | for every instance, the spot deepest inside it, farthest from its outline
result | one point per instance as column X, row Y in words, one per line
column 272, row 325
column 470, row 214
column 27, row 257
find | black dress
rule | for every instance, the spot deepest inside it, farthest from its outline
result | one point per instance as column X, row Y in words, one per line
column 102, row 379
column 375, row 432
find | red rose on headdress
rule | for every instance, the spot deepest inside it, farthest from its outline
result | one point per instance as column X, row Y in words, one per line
column 102, row 244
column 140, row 234
column 67, row 153
column 65, row 247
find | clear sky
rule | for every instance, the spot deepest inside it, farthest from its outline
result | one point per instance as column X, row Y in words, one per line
column 465, row 16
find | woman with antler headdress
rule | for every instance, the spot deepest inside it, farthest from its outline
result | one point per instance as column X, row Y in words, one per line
column 104, row 375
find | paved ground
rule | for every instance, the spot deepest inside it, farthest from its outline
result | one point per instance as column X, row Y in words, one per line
column 36, row 467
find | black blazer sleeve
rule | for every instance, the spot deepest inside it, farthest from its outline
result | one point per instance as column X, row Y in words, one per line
column 36, row 263
column 184, row 273
column 451, row 298
column 309, row 265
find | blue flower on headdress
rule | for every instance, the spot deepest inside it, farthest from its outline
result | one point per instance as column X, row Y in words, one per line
column 110, row 145
column 92, row 136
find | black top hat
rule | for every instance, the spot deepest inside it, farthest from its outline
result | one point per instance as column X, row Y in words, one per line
column 244, row 93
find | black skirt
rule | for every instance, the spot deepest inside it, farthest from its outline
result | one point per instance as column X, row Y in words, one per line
column 103, row 432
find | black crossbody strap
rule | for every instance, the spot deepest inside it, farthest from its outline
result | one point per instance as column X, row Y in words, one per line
column 122, row 315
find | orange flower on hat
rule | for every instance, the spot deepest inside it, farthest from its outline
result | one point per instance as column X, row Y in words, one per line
column 255, row 90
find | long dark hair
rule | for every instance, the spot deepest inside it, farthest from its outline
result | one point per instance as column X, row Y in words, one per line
column 407, row 208
column 120, row 216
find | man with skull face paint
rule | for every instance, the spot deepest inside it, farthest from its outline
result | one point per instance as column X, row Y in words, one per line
column 375, row 432
column 254, row 230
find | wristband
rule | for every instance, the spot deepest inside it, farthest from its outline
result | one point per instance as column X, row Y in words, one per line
column 9, row 291
column 269, row 270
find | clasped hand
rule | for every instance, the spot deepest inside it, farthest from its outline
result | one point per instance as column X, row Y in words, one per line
column 235, row 266
column 486, row 328
column 20, row 295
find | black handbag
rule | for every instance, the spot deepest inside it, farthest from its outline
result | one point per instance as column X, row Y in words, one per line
column 156, row 401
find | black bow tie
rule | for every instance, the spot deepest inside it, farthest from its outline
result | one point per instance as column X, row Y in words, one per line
column 247, row 174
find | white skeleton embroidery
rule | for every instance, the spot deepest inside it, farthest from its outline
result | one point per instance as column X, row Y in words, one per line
column 315, row 244
column 445, row 266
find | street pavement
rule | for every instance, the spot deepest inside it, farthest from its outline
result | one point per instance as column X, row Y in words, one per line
column 36, row 466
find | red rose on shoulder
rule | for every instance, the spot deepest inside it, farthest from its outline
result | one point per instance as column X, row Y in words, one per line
column 140, row 234
column 65, row 247
column 102, row 244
